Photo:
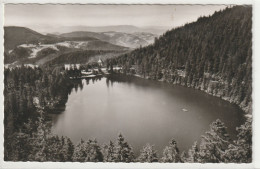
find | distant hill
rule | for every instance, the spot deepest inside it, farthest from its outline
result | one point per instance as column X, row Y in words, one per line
column 15, row 36
column 157, row 30
column 20, row 35
column 23, row 45
column 84, row 34
column 102, row 45
column 148, row 37
column 213, row 54
column 131, row 40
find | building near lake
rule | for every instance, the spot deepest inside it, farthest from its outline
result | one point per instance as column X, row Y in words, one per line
column 77, row 66
column 31, row 66
column 100, row 62
column 67, row 66
column 71, row 66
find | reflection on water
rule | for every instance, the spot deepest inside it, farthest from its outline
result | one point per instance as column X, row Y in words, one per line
column 143, row 111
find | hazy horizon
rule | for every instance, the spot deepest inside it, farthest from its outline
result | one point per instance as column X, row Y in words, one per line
column 49, row 18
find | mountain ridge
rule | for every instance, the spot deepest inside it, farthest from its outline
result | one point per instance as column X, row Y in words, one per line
column 24, row 45
column 133, row 40
column 54, row 29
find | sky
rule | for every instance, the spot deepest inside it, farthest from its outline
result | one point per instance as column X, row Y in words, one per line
column 50, row 15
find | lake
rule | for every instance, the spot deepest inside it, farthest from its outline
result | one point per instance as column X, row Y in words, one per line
column 144, row 111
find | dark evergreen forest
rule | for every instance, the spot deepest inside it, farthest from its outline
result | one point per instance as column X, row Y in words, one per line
column 81, row 56
column 213, row 54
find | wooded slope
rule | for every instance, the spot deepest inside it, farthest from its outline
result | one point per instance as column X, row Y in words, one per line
column 213, row 54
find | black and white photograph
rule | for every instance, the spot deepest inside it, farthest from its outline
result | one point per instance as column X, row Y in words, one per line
column 128, row 83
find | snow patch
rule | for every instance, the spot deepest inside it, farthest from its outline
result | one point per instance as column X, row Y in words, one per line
column 41, row 47
column 73, row 44
column 110, row 34
column 66, row 44
column 27, row 45
column 37, row 48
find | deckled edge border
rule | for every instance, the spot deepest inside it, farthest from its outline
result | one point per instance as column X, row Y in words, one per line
column 256, row 82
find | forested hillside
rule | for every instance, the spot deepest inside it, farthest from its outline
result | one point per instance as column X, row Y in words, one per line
column 84, row 56
column 213, row 54
column 133, row 40
column 19, row 35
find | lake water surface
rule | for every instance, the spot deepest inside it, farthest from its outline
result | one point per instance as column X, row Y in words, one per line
column 143, row 111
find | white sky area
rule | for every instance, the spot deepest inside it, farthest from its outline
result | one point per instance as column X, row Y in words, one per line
column 47, row 16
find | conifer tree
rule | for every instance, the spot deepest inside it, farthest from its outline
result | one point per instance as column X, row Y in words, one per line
column 39, row 141
column 79, row 153
column 108, row 152
column 240, row 151
column 123, row 151
column 93, row 151
column 194, row 156
column 87, row 152
column 214, row 143
column 184, row 157
column 70, row 149
column 171, row 153
column 148, row 154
